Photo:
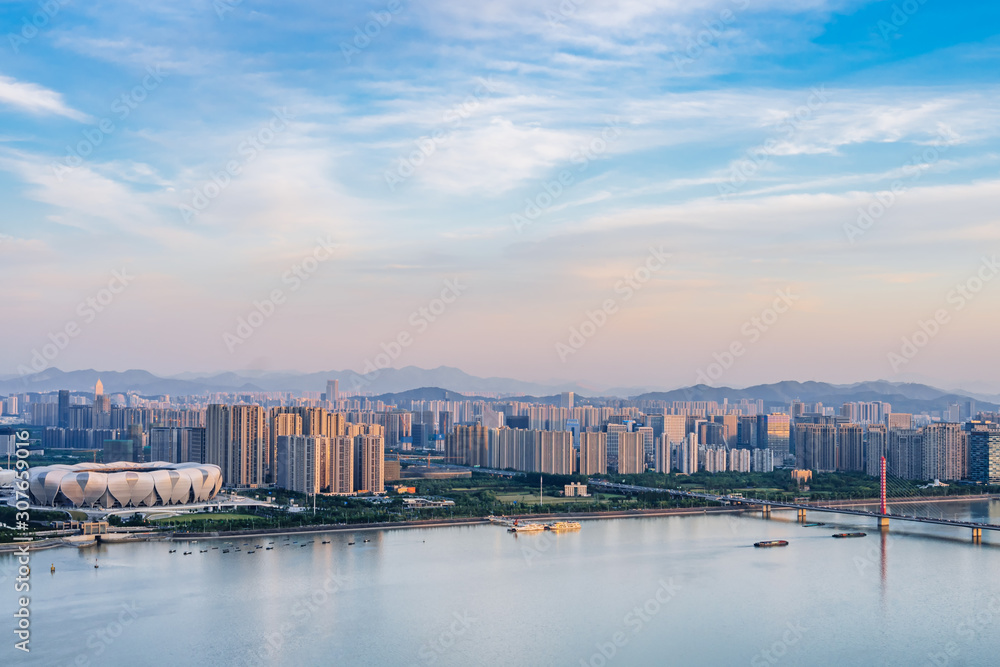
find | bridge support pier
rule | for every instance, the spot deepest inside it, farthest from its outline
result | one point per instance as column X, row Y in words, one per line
column 883, row 522
column 765, row 511
column 802, row 515
column 977, row 535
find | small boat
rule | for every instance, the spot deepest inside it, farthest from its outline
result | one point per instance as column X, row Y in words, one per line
column 172, row 551
column 268, row 548
column 563, row 525
column 771, row 543
column 203, row 551
column 303, row 545
column 812, row 525
column 367, row 540
column 350, row 543
column 95, row 565
column 186, row 553
column 225, row 551
column 215, row 547
column 850, row 534
column 326, row 541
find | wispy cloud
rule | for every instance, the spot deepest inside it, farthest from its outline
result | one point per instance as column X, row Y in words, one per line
column 36, row 99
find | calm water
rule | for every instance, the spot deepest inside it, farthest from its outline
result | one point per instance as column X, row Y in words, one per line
column 674, row 590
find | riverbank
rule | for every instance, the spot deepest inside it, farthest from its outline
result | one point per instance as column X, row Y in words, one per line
column 117, row 538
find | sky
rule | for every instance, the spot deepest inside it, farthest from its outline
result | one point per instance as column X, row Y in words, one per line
column 638, row 192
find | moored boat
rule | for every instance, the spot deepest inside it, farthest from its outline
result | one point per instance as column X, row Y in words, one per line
column 850, row 534
column 771, row 543
column 563, row 525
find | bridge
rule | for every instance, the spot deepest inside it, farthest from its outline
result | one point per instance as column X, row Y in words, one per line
column 882, row 516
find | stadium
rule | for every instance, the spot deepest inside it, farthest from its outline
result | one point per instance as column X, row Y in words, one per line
column 123, row 484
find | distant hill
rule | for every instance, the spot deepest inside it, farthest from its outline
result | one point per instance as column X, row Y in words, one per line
column 445, row 383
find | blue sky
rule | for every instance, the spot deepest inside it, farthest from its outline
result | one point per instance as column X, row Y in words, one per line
column 742, row 137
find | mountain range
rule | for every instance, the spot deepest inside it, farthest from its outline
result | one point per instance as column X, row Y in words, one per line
column 401, row 384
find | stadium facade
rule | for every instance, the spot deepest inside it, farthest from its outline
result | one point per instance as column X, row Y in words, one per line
column 123, row 484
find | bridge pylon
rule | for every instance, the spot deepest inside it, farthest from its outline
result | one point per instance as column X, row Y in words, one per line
column 765, row 511
column 802, row 515
column 883, row 508
column 977, row 535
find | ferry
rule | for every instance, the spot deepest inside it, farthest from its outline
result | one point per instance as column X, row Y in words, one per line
column 850, row 534
column 518, row 527
column 563, row 525
column 771, row 543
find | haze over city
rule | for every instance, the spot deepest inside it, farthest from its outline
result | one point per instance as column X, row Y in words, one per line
column 559, row 332
column 743, row 139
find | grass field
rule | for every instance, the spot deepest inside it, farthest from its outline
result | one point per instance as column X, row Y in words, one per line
column 532, row 498
column 222, row 518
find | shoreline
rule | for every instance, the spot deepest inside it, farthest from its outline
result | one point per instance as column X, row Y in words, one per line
column 52, row 543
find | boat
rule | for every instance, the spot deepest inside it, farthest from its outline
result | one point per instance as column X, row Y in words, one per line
column 225, row 551
column 849, row 534
column 771, row 543
column 367, row 540
column 519, row 527
column 563, row 525
column 350, row 543
column 186, row 553
column 268, row 548
column 812, row 525
column 172, row 551
column 326, row 541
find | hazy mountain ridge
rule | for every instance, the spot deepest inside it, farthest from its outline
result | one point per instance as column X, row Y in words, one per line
column 412, row 383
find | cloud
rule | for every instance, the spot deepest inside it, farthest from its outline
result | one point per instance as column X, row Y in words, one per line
column 37, row 100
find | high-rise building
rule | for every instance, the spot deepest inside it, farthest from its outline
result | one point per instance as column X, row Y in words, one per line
column 369, row 457
column 614, row 431
column 333, row 391
column 120, row 450
column 647, row 441
column 235, row 440
column 593, row 453
column 566, row 400
column 902, row 420
column 773, row 433
column 905, row 453
column 876, row 442
column 984, row 453
column 339, row 467
column 739, row 460
column 684, row 455
column 468, row 445
column 297, row 462
column 675, row 428
column 944, row 455
column 746, row 432
column 851, row 450
column 63, row 409
column 661, row 455
column 631, row 456
column 763, row 461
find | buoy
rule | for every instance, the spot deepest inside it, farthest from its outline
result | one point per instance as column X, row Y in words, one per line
column 53, row 568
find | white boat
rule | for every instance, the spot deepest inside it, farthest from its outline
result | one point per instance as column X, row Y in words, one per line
column 518, row 527
column 563, row 525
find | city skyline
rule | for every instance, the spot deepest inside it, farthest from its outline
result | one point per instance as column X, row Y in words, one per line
column 634, row 190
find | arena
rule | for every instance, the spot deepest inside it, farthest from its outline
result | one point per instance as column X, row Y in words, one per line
column 123, row 484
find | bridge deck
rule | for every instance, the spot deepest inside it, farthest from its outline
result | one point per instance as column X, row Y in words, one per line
column 777, row 503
